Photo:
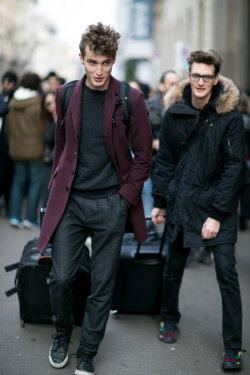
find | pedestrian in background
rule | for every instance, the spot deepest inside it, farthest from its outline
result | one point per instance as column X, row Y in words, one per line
column 95, row 190
column 48, row 120
column 197, row 179
column 9, row 81
column 26, row 146
column 244, row 211
column 156, row 110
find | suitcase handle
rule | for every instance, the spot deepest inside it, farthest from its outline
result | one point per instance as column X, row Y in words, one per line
column 11, row 267
column 162, row 240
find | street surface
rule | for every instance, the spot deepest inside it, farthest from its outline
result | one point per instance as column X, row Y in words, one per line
column 130, row 346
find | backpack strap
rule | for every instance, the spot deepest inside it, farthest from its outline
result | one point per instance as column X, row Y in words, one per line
column 125, row 102
column 65, row 99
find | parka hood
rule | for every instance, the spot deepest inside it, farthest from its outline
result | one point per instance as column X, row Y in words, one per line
column 226, row 101
column 23, row 98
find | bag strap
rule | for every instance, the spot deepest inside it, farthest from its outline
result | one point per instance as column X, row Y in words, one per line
column 65, row 99
column 125, row 102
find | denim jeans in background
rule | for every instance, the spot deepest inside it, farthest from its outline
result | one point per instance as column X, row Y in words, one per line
column 27, row 178
column 148, row 201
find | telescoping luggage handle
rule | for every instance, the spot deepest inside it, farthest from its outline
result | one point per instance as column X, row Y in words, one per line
column 162, row 240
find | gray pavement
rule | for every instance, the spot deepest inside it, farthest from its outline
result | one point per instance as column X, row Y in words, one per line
column 130, row 346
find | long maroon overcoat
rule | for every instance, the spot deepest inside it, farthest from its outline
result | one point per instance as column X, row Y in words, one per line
column 132, row 172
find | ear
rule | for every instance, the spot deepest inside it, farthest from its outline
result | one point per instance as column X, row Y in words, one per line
column 217, row 77
column 188, row 76
column 81, row 59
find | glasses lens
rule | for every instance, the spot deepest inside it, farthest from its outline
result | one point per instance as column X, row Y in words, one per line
column 207, row 77
column 195, row 77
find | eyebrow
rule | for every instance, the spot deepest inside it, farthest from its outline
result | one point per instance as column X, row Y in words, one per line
column 95, row 61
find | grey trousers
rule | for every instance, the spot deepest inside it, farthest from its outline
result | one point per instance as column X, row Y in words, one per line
column 104, row 220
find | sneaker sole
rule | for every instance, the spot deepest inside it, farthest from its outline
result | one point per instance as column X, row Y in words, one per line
column 230, row 368
column 81, row 372
column 167, row 341
column 58, row 365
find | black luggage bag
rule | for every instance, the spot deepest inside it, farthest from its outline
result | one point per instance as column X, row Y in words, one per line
column 139, row 278
column 32, row 285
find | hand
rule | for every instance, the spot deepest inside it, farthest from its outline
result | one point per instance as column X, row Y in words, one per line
column 157, row 215
column 156, row 144
column 210, row 229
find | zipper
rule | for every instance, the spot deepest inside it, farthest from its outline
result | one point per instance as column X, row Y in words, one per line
column 229, row 147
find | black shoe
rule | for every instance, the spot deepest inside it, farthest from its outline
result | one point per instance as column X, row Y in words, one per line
column 232, row 360
column 58, row 354
column 84, row 363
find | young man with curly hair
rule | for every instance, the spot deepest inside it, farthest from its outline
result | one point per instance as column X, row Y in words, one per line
column 197, row 178
column 95, row 190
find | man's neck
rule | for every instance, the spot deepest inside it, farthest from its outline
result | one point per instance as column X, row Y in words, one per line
column 199, row 103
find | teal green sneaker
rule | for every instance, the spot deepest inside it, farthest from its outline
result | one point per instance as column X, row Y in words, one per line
column 58, row 354
column 84, row 363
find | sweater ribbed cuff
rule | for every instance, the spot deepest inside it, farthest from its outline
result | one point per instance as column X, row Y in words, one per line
column 159, row 202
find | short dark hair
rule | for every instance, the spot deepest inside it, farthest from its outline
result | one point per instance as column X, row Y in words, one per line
column 210, row 58
column 10, row 76
column 100, row 39
column 30, row 81
column 162, row 78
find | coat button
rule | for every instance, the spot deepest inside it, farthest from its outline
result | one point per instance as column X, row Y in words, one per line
column 67, row 188
column 72, row 171
column 75, row 154
column 181, row 165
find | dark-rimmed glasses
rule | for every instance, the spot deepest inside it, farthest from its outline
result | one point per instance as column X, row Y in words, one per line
column 206, row 77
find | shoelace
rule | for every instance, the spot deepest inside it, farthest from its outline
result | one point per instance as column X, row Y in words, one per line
column 61, row 340
column 170, row 327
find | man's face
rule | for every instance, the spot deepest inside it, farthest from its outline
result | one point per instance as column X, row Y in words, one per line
column 202, row 90
column 7, row 86
column 53, row 83
column 169, row 80
column 97, row 68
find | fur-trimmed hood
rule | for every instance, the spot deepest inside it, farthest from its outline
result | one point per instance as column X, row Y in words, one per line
column 226, row 101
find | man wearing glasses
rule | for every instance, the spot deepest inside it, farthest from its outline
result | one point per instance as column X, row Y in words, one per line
column 197, row 178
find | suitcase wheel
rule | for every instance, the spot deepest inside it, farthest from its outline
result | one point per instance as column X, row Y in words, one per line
column 22, row 324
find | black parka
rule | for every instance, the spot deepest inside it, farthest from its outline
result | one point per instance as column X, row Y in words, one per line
column 201, row 178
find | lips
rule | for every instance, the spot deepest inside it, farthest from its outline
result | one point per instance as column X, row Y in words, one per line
column 98, row 79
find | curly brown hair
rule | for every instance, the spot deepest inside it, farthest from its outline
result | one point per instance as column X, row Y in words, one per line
column 210, row 58
column 100, row 39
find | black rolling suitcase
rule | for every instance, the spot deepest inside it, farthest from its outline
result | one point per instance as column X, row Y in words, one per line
column 32, row 285
column 138, row 284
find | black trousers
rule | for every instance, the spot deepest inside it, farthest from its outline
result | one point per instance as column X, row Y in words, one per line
column 224, row 259
column 104, row 220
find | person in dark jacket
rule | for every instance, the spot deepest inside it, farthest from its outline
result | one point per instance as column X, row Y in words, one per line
column 48, row 120
column 197, row 179
column 9, row 81
column 95, row 190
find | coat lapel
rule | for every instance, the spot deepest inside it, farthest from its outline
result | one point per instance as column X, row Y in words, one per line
column 75, row 106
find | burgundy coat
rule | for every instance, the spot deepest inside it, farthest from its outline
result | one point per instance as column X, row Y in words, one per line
column 132, row 172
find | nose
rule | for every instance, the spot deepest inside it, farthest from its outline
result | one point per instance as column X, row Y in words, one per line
column 99, row 69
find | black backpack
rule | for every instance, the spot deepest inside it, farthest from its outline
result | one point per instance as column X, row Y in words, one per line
column 124, row 101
